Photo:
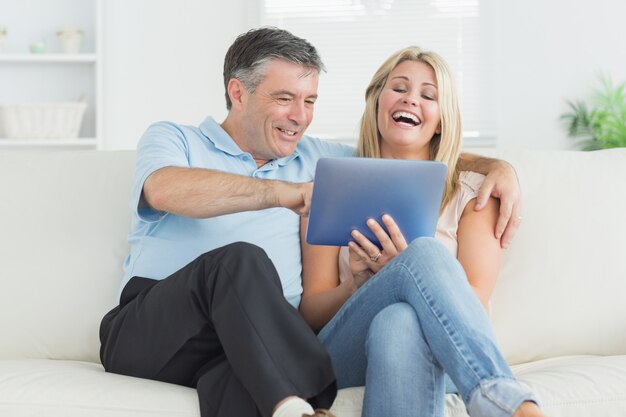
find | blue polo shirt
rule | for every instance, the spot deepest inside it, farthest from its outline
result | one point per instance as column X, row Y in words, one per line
column 162, row 243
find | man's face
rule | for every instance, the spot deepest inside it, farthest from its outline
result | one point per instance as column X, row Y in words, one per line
column 276, row 115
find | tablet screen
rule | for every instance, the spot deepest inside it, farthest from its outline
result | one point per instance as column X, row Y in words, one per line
column 348, row 191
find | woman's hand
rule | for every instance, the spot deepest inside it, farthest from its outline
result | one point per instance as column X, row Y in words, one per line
column 365, row 257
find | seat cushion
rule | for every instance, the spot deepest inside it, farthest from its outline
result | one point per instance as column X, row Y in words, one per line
column 574, row 386
column 578, row 386
column 55, row 388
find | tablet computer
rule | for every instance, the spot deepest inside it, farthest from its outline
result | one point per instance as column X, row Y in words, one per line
column 349, row 191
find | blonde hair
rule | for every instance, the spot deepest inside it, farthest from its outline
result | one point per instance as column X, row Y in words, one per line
column 445, row 146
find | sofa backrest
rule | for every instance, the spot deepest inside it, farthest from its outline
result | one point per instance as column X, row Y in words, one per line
column 64, row 218
column 562, row 285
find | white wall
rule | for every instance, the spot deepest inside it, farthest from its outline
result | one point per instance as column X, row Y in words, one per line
column 547, row 52
column 163, row 60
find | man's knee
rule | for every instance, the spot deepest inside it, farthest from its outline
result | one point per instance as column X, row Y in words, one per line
column 234, row 253
column 245, row 249
column 243, row 260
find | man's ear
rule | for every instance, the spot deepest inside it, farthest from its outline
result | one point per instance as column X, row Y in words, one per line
column 236, row 92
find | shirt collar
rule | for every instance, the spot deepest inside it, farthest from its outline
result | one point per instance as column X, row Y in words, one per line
column 222, row 141
column 284, row 161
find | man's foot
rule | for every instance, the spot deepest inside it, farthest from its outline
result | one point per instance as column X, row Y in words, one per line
column 319, row 412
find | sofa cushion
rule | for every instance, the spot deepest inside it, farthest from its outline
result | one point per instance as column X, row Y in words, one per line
column 64, row 220
column 562, row 283
column 577, row 386
column 55, row 388
column 574, row 386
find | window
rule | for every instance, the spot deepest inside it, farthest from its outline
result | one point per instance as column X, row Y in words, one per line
column 354, row 37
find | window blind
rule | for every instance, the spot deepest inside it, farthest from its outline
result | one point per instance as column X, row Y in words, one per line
column 354, row 37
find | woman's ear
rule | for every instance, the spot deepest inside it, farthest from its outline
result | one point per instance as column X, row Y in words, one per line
column 236, row 92
column 438, row 130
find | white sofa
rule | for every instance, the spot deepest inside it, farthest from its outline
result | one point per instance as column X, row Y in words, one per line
column 559, row 309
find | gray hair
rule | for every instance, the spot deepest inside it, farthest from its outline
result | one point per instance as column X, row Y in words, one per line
column 248, row 57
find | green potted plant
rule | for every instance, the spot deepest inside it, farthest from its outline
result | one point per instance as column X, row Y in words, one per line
column 602, row 124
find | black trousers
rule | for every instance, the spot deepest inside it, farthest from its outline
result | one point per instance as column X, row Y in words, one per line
column 222, row 325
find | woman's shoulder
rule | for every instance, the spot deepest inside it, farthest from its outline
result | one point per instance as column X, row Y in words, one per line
column 468, row 185
column 470, row 182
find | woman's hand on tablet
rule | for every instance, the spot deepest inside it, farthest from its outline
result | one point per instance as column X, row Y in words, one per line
column 365, row 256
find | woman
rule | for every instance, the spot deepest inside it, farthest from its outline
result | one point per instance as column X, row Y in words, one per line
column 400, row 319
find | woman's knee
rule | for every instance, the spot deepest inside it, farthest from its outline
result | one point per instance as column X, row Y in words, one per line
column 426, row 253
column 426, row 246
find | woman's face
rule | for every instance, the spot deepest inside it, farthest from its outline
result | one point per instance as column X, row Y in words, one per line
column 408, row 111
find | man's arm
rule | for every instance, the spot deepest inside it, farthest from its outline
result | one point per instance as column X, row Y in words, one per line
column 501, row 183
column 201, row 193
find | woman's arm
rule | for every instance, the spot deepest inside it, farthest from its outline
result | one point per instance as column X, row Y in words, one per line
column 323, row 294
column 479, row 252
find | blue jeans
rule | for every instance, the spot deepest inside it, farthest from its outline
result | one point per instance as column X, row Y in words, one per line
column 413, row 322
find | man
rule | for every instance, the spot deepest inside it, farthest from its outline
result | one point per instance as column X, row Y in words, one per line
column 200, row 308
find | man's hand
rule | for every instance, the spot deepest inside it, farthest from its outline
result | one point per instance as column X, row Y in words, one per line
column 294, row 196
column 502, row 183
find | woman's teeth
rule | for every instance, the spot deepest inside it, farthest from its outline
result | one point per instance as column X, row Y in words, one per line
column 406, row 118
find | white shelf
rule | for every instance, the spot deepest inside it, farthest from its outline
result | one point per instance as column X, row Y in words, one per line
column 49, row 58
column 53, row 76
column 20, row 143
